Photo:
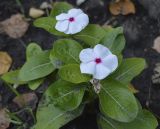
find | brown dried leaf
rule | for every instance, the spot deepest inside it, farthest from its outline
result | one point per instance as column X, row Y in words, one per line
column 4, row 119
column 123, row 7
column 5, row 62
column 27, row 99
column 35, row 13
column 156, row 45
column 15, row 27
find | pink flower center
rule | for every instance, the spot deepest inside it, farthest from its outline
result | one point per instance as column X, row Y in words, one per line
column 98, row 60
column 71, row 19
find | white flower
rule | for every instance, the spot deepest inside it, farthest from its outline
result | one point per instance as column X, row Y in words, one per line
column 72, row 22
column 99, row 61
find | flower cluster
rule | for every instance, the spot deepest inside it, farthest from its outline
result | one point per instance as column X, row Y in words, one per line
column 99, row 61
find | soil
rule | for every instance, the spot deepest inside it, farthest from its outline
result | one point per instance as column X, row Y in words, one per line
column 140, row 31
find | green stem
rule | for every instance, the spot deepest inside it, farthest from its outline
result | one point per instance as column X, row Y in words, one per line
column 16, row 122
column 13, row 90
column 20, row 5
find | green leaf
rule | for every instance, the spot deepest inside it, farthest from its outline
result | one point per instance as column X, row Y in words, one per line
column 66, row 95
column 67, row 50
column 50, row 117
column 114, row 39
column 33, row 49
column 91, row 35
column 128, row 69
column 48, row 24
column 38, row 66
column 60, row 7
column 117, row 102
column 120, row 59
column 12, row 77
column 33, row 85
column 144, row 120
column 72, row 74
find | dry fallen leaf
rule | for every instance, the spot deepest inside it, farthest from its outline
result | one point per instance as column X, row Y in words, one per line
column 5, row 62
column 132, row 89
column 15, row 27
column 27, row 99
column 156, row 45
column 123, row 7
column 35, row 13
column 156, row 75
column 4, row 119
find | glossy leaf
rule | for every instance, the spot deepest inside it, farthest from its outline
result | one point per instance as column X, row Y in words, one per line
column 72, row 74
column 60, row 7
column 117, row 102
column 67, row 50
column 33, row 85
column 32, row 49
column 66, row 96
column 38, row 66
column 144, row 120
column 128, row 69
column 48, row 24
column 50, row 117
column 114, row 39
column 12, row 77
column 91, row 35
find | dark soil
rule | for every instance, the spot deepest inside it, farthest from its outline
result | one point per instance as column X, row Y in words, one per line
column 140, row 31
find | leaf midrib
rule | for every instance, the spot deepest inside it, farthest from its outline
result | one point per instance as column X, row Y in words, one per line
column 72, row 91
column 54, row 119
column 39, row 66
column 108, row 122
column 123, row 108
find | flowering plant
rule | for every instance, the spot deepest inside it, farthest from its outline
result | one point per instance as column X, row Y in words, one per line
column 85, row 65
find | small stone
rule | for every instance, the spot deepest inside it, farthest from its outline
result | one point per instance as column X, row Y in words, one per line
column 156, row 45
column 35, row 13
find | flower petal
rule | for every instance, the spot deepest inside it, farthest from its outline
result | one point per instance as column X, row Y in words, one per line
column 74, row 12
column 62, row 25
column 62, row 16
column 82, row 20
column 74, row 28
column 87, row 55
column 111, row 62
column 101, row 72
column 101, row 51
column 88, row 68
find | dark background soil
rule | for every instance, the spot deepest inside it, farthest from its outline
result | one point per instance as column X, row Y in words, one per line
column 140, row 31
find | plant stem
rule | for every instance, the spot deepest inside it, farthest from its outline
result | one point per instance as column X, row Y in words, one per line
column 20, row 5
column 13, row 90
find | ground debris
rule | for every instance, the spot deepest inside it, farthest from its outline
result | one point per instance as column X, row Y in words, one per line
column 26, row 100
column 79, row 2
column 45, row 5
column 35, row 13
column 5, row 62
column 4, row 119
column 123, row 7
column 15, row 26
column 156, row 75
column 156, row 45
